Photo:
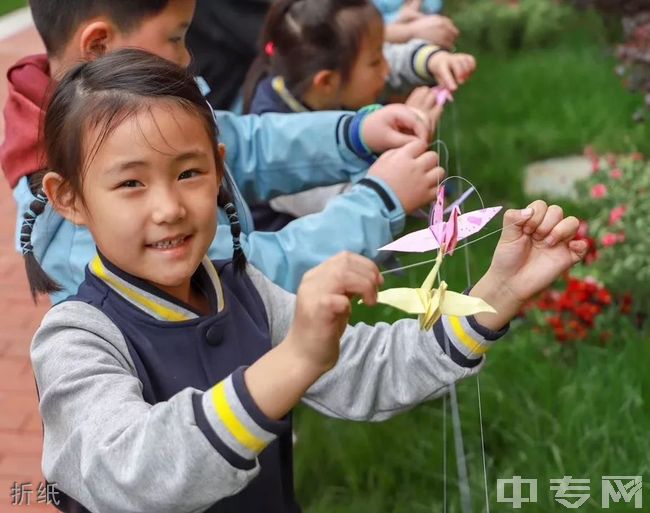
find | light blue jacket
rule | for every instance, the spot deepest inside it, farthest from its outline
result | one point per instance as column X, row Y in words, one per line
column 266, row 156
column 390, row 8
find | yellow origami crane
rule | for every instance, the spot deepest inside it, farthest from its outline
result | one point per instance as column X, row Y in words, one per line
column 428, row 302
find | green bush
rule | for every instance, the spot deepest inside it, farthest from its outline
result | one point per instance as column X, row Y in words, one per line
column 514, row 25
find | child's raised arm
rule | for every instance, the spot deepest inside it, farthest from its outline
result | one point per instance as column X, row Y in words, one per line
column 385, row 369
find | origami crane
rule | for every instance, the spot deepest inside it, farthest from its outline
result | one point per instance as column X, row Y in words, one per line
column 429, row 238
column 428, row 302
column 443, row 95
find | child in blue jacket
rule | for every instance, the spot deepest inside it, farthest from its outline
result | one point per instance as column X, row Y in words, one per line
column 266, row 156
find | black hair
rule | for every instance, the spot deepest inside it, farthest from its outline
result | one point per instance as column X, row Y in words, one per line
column 302, row 37
column 101, row 95
column 57, row 20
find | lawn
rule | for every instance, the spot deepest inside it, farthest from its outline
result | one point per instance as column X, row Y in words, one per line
column 548, row 410
column 10, row 5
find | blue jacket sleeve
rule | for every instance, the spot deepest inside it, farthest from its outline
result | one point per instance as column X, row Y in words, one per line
column 361, row 221
column 276, row 154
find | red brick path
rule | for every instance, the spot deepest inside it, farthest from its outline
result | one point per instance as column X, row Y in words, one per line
column 20, row 424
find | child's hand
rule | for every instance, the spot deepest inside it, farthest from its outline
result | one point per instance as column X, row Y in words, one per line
column 535, row 248
column 412, row 173
column 423, row 101
column 323, row 307
column 411, row 10
column 391, row 127
column 434, row 28
column 451, row 69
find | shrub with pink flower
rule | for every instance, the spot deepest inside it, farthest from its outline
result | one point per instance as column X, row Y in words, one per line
column 616, row 197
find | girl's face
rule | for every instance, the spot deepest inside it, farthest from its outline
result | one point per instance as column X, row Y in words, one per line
column 151, row 196
column 368, row 76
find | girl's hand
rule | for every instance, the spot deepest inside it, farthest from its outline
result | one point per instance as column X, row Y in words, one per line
column 412, row 173
column 411, row 10
column 434, row 28
column 323, row 307
column 451, row 69
column 535, row 248
column 391, row 127
column 423, row 101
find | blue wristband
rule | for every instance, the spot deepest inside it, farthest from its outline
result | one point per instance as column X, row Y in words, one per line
column 357, row 143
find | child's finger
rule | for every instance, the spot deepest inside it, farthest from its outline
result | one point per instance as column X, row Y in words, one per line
column 414, row 148
column 407, row 118
column 446, row 77
column 539, row 211
column 435, row 176
column 552, row 218
column 428, row 160
column 578, row 250
column 513, row 224
column 565, row 230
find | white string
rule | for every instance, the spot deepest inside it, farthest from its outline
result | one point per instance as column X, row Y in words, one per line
column 462, row 246
column 459, row 172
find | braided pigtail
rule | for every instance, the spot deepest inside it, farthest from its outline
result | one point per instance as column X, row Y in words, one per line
column 226, row 202
column 39, row 281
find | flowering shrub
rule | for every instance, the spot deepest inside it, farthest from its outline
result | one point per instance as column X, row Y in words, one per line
column 616, row 197
column 614, row 285
column 510, row 24
column 584, row 310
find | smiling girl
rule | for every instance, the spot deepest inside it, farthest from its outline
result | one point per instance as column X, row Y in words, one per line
column 167, row 382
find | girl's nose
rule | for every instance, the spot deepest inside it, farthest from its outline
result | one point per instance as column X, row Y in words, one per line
column 167, row 208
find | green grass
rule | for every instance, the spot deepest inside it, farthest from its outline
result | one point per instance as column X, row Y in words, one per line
column 11, row 5
column 548, row 411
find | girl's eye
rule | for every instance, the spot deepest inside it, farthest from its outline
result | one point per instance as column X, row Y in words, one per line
column 129, row 184
column 189, row 174
column 176, row 39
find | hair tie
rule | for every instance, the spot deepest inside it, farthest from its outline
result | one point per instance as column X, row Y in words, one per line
column 269, row 49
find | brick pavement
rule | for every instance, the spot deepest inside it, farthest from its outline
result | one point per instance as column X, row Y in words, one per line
column 20, row 424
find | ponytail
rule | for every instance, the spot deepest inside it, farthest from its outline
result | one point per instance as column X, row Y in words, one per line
column 226, row 202
column 39, row 281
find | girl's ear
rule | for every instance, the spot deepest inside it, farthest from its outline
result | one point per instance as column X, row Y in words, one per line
column 63, row 200
column 222, row 151
column 96, row 39
column 326, row 81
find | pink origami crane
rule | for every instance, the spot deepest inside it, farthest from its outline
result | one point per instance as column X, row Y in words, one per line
column 443, row 95
column 443, row 234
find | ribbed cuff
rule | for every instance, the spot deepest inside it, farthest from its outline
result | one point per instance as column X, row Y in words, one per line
column 421, row 58
column 354, row 136
column 464, row 340
column 233, row 423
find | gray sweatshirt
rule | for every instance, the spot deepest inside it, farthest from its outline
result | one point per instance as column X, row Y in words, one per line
column 109, row 449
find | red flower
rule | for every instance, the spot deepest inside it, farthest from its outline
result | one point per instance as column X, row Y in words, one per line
column 599, row 191
column 609, row 239
column 616, row 214
column 616, row 173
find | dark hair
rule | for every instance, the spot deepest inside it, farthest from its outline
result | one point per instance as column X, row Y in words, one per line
column 101, row 95
column 57, row 20
column 307, row 36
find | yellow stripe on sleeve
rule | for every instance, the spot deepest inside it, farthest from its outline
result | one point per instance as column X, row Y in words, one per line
column 475, row 347
column 232, row 423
